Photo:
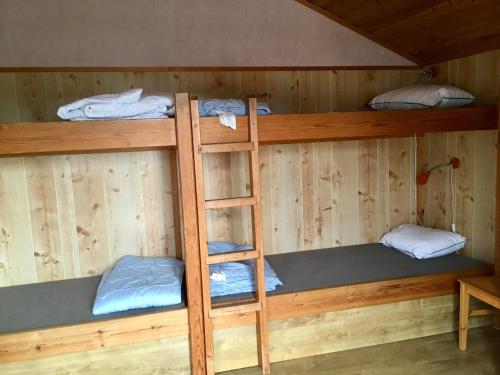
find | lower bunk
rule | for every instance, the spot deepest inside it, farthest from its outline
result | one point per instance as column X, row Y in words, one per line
column 55, row 318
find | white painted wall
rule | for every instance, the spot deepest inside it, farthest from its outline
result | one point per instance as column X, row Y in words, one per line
column 199, row 33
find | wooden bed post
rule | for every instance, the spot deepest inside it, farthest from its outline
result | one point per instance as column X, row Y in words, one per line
column 497, row 213
column 497, row 216
column 174, row 182
column 190, row 234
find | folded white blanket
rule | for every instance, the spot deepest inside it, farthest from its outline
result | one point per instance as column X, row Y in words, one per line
column 150, row 104
column 75, row 110
column 145, row 116
column 127, row 105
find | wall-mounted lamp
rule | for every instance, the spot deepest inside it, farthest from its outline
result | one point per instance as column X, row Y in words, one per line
column 424, row 176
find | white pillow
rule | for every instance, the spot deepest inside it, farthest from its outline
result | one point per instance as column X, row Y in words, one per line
column 421, row 97
column 421, row 242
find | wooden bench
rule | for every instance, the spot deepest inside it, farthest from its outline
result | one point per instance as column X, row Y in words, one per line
column 486, row 289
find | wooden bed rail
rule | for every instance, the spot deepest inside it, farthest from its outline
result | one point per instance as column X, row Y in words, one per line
column 338, row 126
column 63, row 137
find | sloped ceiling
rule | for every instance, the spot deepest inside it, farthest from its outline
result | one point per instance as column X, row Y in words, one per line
column 424, row 31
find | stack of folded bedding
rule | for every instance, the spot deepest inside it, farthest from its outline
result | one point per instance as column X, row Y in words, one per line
column 126, row 105
column 228, row 109
column 237, row 277
column 214, row 107
column 138, row 282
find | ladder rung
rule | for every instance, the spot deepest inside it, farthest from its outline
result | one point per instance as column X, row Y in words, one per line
column 231, row 202
column 217, row 304
column 227, row 147
column 232, row 257
column 235, row 310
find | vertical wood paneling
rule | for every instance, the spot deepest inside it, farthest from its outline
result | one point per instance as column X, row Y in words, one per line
column 17, row 261
column 45, row 230
column 465, row 188
column 323, row 194
column 367, row 191
column 88, row 173
column 436, row 202
column 483, row 226
column 475, row 179
column 451, row 152
column 78, row 216
column 345, row 193
column 30, row 97
column 124, row 206
column 63, row 181
column 157, row 199
column 383, row 209
column 266, row 199
column 286, row 198
column 400, row 179
column 9, row 109
column 287, row 204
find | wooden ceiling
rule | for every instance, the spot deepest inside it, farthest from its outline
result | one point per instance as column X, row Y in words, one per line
column 424, row 31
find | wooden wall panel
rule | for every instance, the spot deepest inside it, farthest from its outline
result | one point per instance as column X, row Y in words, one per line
column 474, row 181
column 84, row 211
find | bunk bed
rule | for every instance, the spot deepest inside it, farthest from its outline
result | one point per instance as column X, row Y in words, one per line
column 75, row 330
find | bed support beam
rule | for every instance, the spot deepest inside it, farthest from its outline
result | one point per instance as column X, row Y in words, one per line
column 190, row 235
column 497, row 213
column 497, row 219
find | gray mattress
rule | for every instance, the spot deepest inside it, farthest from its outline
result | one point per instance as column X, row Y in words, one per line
column 59, row 303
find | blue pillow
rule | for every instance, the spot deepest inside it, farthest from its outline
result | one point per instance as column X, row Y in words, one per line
column 138, row 282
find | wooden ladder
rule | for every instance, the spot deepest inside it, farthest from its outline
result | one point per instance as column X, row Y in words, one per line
column 258, row 305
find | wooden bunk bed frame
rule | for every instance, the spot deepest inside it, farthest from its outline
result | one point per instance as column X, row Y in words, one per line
column 113, row 136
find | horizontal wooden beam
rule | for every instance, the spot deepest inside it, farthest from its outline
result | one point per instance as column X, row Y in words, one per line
column 299, row 128
column 236, row 256
column 215, row 204
column 63, row 137
column 134, row 135
column 28, row 69
column 109, row 333
column 317, row 301
column 90, row 336
column 236, row 310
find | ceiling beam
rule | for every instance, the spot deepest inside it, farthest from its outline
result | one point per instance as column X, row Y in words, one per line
column 328, row 13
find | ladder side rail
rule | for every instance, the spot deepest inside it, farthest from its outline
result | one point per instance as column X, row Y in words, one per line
column 262, row 329
column 202, row 236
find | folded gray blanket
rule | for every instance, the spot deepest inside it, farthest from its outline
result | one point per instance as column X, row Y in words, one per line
column 214, row 107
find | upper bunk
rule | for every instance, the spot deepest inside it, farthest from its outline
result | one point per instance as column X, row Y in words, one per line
column 62, row 137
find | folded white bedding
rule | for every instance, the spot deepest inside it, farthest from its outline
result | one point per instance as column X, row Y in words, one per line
column 145, row 106
column 227, row 109
column 127, row 105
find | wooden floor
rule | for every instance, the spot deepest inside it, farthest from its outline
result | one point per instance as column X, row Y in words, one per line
column 430, row 355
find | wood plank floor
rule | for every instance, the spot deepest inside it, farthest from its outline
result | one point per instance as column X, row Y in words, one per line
column 430, row 355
